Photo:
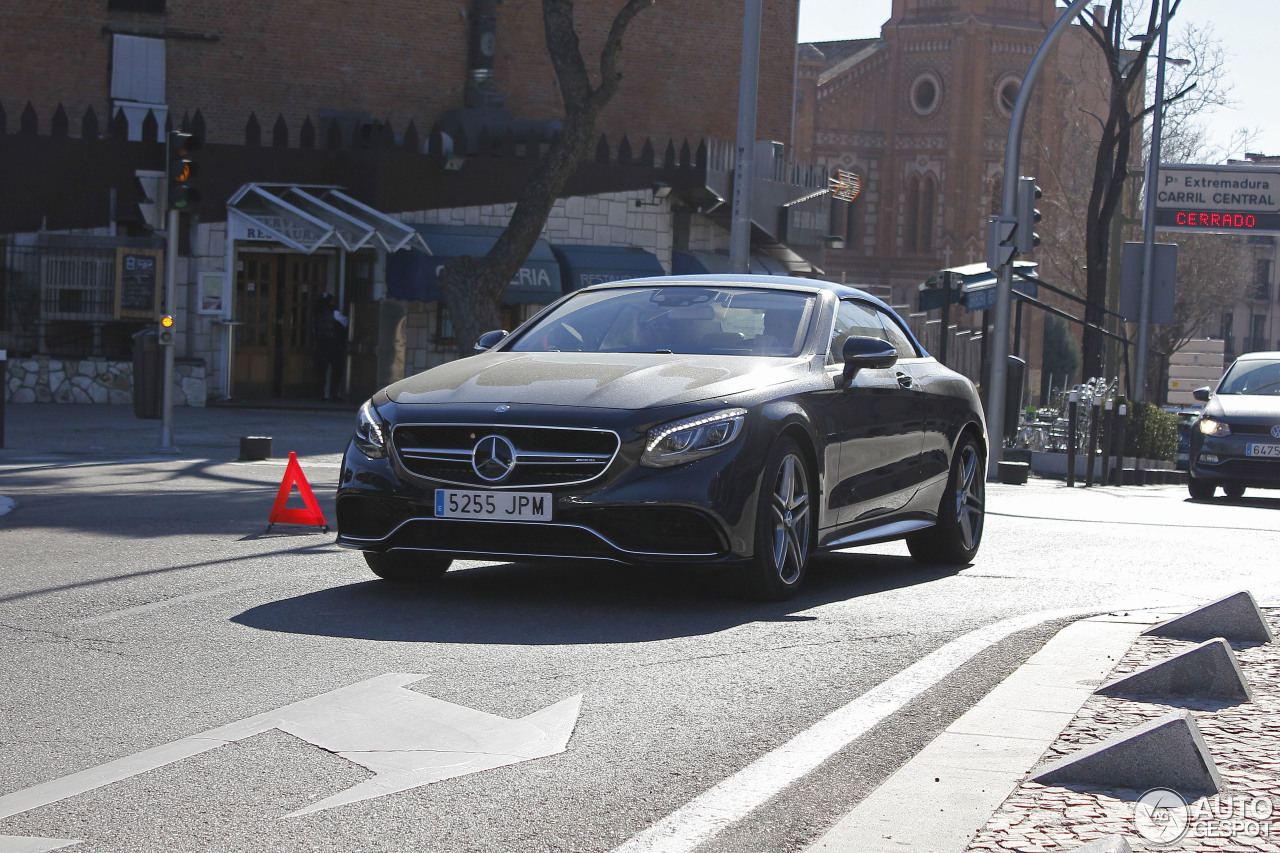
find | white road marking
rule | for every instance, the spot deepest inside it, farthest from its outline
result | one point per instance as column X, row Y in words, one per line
column 740, row 794
column 7, row 504
column 27, row 844
column 407, row 739
column 156, row 605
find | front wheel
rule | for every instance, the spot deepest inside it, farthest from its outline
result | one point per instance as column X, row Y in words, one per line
column 407, row 566
column 955, row 537
column 785, row 529
column 1235, row 491
column 1200, row 490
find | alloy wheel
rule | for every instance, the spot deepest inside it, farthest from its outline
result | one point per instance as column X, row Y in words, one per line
column 789, row 508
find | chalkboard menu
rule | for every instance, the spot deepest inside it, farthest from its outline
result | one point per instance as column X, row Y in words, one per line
column 138, row 277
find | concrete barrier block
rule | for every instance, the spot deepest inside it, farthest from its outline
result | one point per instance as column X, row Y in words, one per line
column 255, row 447
column 1168, row 752
column 1208, row 671
column 1106, row 844
column 1013, row 473
column 1235, row 618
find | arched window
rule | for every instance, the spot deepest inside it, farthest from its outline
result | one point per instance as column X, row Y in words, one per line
column 922, row 200
column 913, row 214
column 928, row 203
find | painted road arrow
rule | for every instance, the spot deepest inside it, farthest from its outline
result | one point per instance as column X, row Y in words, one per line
column 407, row 739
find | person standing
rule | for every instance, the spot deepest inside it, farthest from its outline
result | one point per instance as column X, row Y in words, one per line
column 329, row 343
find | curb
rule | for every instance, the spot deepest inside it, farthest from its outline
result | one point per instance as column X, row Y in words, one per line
column 955, row 784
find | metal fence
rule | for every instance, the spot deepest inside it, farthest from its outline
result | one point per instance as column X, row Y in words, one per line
column 964, row 346
column 58, row 296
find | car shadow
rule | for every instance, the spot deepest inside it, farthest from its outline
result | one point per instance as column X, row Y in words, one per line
column 1247, row 500
column 521, row 604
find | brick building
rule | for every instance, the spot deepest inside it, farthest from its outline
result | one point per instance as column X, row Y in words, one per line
column 921, row 115
column 417, row 122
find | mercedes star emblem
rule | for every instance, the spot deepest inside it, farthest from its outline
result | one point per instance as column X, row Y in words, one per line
column 493, row 458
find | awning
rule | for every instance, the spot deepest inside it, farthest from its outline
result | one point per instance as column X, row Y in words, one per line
column 581, row 266
column 977, row 286
column 413, row 275
column 695, row 263
column 307, row 218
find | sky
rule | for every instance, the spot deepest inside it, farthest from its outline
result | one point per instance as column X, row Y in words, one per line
column 1245, row 28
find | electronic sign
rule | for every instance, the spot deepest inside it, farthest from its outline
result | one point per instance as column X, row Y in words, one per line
column 1218, row 199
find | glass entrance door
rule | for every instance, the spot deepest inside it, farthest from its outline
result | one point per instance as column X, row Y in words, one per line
column 274, row 298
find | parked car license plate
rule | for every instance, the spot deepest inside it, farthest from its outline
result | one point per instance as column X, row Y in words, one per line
column 505, row 506
column 1268, row 450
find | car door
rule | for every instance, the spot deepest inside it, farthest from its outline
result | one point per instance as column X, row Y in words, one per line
column 876, row 422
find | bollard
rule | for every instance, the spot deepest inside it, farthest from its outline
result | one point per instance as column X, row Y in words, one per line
column 1122, row 415
column 4, row 390
column 1072, row 405
column 1093, row 442
column 1107, row 425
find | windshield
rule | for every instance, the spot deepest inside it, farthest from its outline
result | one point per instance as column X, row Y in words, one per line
column 693, row 320
column 1255, row 376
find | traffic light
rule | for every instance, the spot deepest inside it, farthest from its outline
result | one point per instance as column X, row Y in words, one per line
column 166, row 330
column 1025, row 237
column 1000, row 240
column 183, row 170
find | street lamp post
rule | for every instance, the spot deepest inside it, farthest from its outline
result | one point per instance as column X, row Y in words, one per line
column 1149, row 213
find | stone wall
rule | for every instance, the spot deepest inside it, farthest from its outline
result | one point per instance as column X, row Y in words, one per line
column 41, row 379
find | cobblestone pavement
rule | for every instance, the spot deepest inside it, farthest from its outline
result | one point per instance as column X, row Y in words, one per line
column 1244, row 740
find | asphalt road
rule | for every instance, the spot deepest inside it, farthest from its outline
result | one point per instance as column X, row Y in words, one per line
column 143, row 602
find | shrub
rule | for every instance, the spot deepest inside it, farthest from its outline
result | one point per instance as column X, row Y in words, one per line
column 1150, row 433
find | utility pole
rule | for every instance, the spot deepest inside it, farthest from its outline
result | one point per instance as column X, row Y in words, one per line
column 744, row 162
column 1149, row 214
column 1004, row 225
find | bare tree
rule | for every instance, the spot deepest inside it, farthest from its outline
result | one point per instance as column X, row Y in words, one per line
column 1213, row 270
column 1103, row 150
column 473, row 287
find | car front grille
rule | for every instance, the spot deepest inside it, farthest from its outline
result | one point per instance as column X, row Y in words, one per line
column 618, row 533
column 536, row 456
column 1256, row 470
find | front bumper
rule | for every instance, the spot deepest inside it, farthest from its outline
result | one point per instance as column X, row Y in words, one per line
column 701, row 512
column 1223, row 460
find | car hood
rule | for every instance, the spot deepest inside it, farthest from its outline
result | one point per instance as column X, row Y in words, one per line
column 597, row 380
column 1244, row 408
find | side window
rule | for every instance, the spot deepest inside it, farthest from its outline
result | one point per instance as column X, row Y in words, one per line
column 852, row 318
column 894, row 334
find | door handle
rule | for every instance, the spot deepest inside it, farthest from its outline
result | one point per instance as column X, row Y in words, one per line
column 904, row 380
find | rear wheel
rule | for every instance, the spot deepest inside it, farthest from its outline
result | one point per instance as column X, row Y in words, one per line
column 1200, row 490
column 958, row 532
column 407, row 566
column 1233, row 490
column 785, row 529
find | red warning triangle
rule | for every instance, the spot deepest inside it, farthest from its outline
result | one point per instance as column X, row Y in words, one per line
column 281, row 514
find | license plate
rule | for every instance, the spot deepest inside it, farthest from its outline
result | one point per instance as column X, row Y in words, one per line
column 493, row 506
column 1267, row 450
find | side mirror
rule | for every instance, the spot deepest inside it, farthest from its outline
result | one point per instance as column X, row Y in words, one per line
column 489, row 340
column 1201, row 394
column 863, row 352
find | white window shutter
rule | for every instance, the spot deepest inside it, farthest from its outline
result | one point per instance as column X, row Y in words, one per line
column 137, row 69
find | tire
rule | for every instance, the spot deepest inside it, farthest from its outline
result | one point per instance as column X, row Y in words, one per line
column 785, row 526
column 1200, row 490
column 955, row 538
column 1235, row 491
column 407, row 566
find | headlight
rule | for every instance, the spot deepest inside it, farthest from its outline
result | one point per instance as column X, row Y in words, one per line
column 369, row 437
column 1209, row 426
column 692, row 438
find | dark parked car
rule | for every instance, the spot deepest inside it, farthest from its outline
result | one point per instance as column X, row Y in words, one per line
column 1235, row 443
column 740, row 422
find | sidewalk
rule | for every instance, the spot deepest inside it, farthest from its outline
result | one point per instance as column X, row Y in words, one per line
column 52, row 431
column 966, row 791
